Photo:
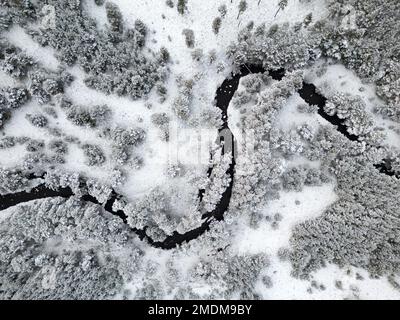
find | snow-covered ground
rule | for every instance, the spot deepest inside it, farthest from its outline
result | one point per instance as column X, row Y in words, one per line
column 191, row 146
column 166, row 27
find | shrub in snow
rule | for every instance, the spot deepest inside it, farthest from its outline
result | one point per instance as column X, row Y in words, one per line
column 281, row 5
column 141, row 213
column 162, row 92
column 252, row 83
column 4, row 116
column 17, row 65
column 94, row 155
column 89, row 117
column 98, row 190
column 52, row 86
column 163, row 55
column 240, row 98
column 37, row 120
column 114, row 17
column 11, row 141
column 189, row 37
column 314, row 177
column 388, row 111
column 308, row 19
column 123, row 140
column 197, row 55
column 35, row 161
column 58, row 146
column 126, row 137
column 160, row 119
column 7, row 142
column 174, row 170
column 57, row 158
column 293, row 179
column 36, row 89
column 306, row 131
column 100, row 113
column 283, row 254
column 120, row 154
column 181, row 104
column 12, row 181
column 162, row 225
column 267, row 282
column 5, row 21
column 151, row 290
column 35, row 145
column 14, row 97
column 55, row 179
column 241, row 7
column 222, row 10
column 139, row 33
column 212, row 56
column 288, row 143
column 116, row 177
column 396, row 165
column 211, row 117
column 80, row 117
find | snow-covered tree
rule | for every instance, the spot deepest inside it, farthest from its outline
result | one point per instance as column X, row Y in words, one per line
column 12, row 181
column 216, row 25
column 94, row 155
column 114, row 17
column 37, row 120
column 189, row 37
column 241, row 7
column 182, row 6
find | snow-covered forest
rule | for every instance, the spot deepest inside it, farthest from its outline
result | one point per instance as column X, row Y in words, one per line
column 186, row 149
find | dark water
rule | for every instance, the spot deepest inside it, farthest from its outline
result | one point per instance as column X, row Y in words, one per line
column 223, row 97
column 385, row 167
column 309, row 94
column 226, row 139
column 39, row 192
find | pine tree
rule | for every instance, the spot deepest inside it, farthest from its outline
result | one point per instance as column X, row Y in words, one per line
column 181, row 6
column 242, row 7
column 282, row 5
column 216, row 25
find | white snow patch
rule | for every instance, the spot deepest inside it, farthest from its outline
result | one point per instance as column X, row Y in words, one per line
column 286, row 287
column 313, row 201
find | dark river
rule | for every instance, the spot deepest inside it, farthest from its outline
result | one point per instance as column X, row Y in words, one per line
column 226, row 139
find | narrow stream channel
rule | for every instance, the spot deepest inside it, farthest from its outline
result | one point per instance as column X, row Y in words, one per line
column 223, row 98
